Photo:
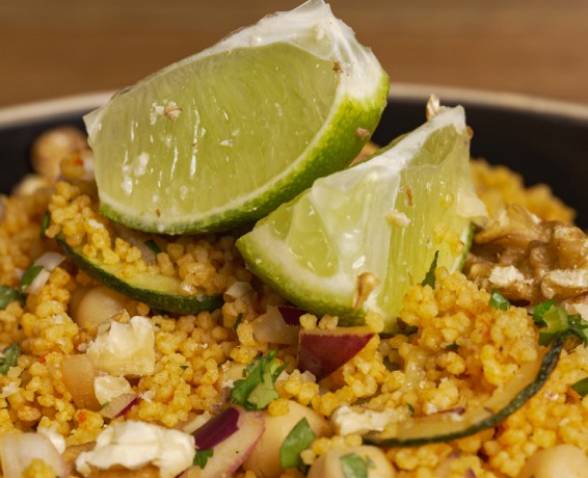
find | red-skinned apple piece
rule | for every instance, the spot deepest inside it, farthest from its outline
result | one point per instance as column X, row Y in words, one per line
column 321, row 352
column 229, row 454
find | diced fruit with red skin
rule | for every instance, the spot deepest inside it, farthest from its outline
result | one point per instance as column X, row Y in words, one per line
column 264, row 461
column 291, row 314
column 217, row 429
column 321, row 352
column 229, row 454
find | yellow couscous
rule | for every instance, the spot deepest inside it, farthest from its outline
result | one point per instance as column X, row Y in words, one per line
column 463, row 350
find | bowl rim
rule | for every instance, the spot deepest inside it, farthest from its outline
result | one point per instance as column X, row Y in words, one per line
column 45, row 109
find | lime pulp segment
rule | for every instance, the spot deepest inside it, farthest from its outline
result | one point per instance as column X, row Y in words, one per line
column 379, row 222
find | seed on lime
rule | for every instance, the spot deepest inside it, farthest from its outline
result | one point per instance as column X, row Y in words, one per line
column 358, row 239
column 225, row 136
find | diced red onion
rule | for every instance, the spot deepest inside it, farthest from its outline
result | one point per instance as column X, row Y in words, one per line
column 217, row 429
column 239, row 289
column 271, row 328
column 120, row 405
column 39, row 281
column 17, row 450
column 195, row 423
column 50, row 260
column 291, row 314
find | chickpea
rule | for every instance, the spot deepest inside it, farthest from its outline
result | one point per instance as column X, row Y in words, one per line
column 53, row 146
column 562, row 461
column 329, row 464
column 30, row 184
column 265, row 458
column 78, row 377
column 97, row 306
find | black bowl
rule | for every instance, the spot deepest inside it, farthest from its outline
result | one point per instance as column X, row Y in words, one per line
column 544, row 140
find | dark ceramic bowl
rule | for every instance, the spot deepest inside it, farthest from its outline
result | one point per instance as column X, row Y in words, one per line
column 546, row 141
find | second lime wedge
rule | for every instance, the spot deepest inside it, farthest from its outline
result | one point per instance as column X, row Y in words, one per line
column 359, row 238
column 225, row 136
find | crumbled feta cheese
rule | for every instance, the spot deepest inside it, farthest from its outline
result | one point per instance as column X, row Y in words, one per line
column 348, row 421
column 54, row 437
column 506, row 276
column 9, row 389
column 133, row 444
column 125, row 349
column 107, row 387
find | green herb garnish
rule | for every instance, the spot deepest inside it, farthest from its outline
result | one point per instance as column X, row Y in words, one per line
column 9, row 358
column 201, row 457
column 556, row 322
column 9, row 295
column 410, row 408
column 498, row 301
column 29, row 276
column 581, row 387
column 406, row 329
column 452, row 347
column 430, row 276
column 354, row 466
column 45, row 220
column 257, row 389
column 151, row 244
column 299, row 439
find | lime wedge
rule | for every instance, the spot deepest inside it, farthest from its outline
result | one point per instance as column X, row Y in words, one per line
column 357, row 239
column 225, row 136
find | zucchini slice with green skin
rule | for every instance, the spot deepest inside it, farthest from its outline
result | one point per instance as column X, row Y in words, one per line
column 444, row 427
column 157, row 291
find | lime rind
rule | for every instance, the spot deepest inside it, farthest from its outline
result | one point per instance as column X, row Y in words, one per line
column 358, row 102
column 349, row 208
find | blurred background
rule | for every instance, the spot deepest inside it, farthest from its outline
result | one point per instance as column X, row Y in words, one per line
column 62, row 47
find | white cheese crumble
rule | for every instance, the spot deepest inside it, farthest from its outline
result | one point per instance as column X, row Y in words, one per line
column 125, row 349
column 107, row 387
column 133, row 444
column 54, row 437
column 506, row 276
column 348, row 421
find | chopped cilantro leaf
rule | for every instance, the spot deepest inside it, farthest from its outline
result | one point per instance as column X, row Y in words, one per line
column 354, row 466
column 29, row 276
column 410, row 408
column 151, row 244
column 45, row 220
column 9, row 358
column 257, row 389
column 498, row 301
column 201, row 457
column 299, row 438
column 540, row 309
column 556, row 322
column 8, row 295
column 406, row 329
column 430, row 276
column 452, row 347
column 581, row 387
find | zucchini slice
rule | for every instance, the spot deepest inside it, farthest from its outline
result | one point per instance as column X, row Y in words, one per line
column 158, row 291
column 443, row 427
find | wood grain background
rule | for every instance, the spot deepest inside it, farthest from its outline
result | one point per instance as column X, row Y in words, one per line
column 50, row 48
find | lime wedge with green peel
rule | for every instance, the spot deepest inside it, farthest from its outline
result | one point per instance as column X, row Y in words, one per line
column 359, row 238
column 225, row 136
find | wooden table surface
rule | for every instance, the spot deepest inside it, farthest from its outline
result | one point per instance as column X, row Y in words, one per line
column 50, row 48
